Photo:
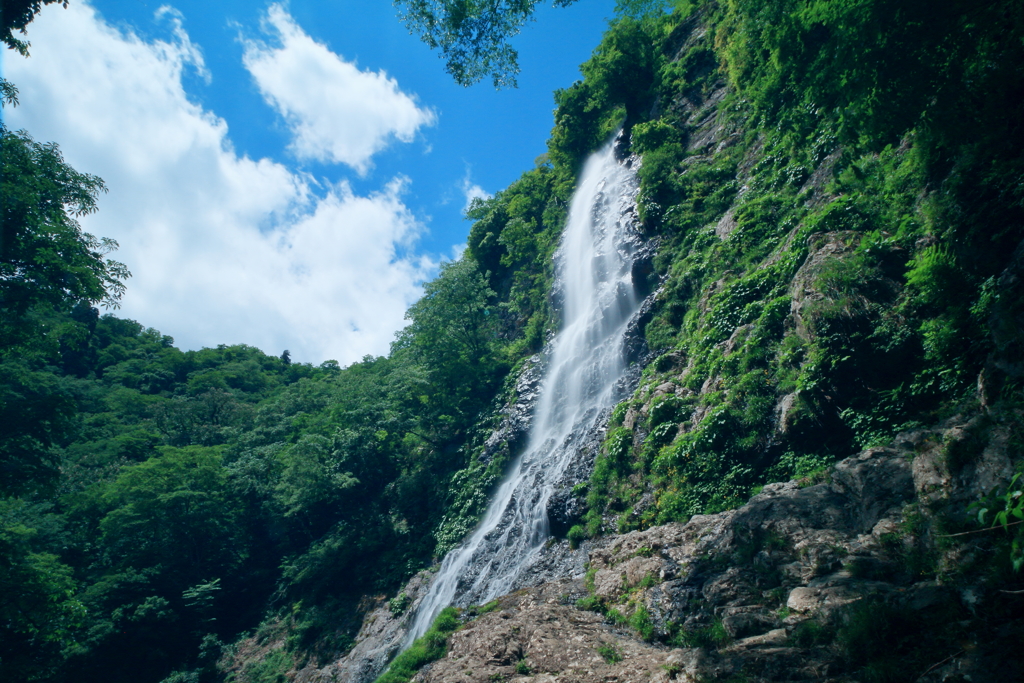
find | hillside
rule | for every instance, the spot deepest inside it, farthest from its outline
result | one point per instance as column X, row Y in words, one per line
column 805, row 482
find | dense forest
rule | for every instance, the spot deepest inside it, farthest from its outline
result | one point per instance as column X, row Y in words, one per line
column 158, row 505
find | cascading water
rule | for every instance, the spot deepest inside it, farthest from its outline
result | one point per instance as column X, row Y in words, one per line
column 586, row 361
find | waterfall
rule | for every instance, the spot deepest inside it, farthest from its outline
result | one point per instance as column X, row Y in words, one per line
column 593, row 266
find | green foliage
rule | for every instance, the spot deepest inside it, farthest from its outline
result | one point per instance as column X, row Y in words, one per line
column 830, row 273
column 801, row 467
column 45, row 258
column 577, row 534
column 451, row 333
column 37, row 412
column 429, row 647
column 609, row 653
column 171, row 512
column 270, row 669
column 857, row 44
column 513, row 239
column 592, row 603
column 40, row 614
column 50, row 274
column 641, row 621
column 623, row 68
column 1007, row 509
column 16, row 16
column 476, row 611
column 473, row 37
column 619, row 84
column 876, row 638
column 399, row 604
column 201, row 482
column 711, row 636
column 810, row 633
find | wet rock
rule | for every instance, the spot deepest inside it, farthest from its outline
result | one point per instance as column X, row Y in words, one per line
column 741, row 582
column 510, row 435
column 642, row 273
column 813, row 600
column 745, row 624
column 634, row 345
column 555, row 561
column 1006, row 321
column 735, row 340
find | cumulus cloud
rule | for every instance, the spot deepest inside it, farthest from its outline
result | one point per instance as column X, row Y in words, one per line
column 336, row 112
column 471, row 191
column 223, row 248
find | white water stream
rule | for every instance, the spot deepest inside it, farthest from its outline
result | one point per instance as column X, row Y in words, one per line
column 586, row 361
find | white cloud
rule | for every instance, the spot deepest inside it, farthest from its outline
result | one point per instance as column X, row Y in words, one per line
column 336, row 112
column 472, row 191
column 224, row 248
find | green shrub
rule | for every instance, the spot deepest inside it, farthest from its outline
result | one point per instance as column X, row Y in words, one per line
column 478, row 610
column 399, row 603
column 429, row 647
column 641, row 621
column 270, row 669
column 609, row 653
column 592, row 603
column 810, row 634
column 710, row 636
column 577, row 534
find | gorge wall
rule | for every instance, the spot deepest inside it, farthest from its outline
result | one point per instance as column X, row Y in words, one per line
column 835, row 335
column 810, row 469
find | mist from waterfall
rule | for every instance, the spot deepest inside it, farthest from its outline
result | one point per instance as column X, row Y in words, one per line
column 593, row 280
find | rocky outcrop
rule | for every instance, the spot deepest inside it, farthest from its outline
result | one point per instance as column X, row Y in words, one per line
column 805, row 291
column 517, row 414
column 775, row 590
column 378, row 641
column 539, row 635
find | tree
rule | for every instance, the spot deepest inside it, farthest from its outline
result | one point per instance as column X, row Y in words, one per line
column 15, row 15
column 472, row 35
column 39, row 613
column 36, row 412
column 172, row 512
column 45, row 257
column 48, row 266
column 451, row 334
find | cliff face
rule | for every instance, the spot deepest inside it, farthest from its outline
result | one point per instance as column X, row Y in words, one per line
column 833, row 392
column 849, row 576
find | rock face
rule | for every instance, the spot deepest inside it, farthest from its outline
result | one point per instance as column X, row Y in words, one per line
column 540, row 634
column 377, row 642
column 509, row 436
column 766, row 592
column 772, row 591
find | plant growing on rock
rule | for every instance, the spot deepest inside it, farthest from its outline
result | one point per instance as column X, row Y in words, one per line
column 1007, row 510
column 609, row 653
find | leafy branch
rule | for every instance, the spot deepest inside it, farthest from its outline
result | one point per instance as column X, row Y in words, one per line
column 1003, row 507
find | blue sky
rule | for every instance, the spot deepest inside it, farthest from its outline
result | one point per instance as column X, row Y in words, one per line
column 283, row 174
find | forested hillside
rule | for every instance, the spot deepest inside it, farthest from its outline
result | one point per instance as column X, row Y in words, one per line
column 835, row 189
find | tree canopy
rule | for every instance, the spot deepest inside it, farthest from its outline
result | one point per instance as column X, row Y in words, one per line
column 472, row 35
column 15, row 15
